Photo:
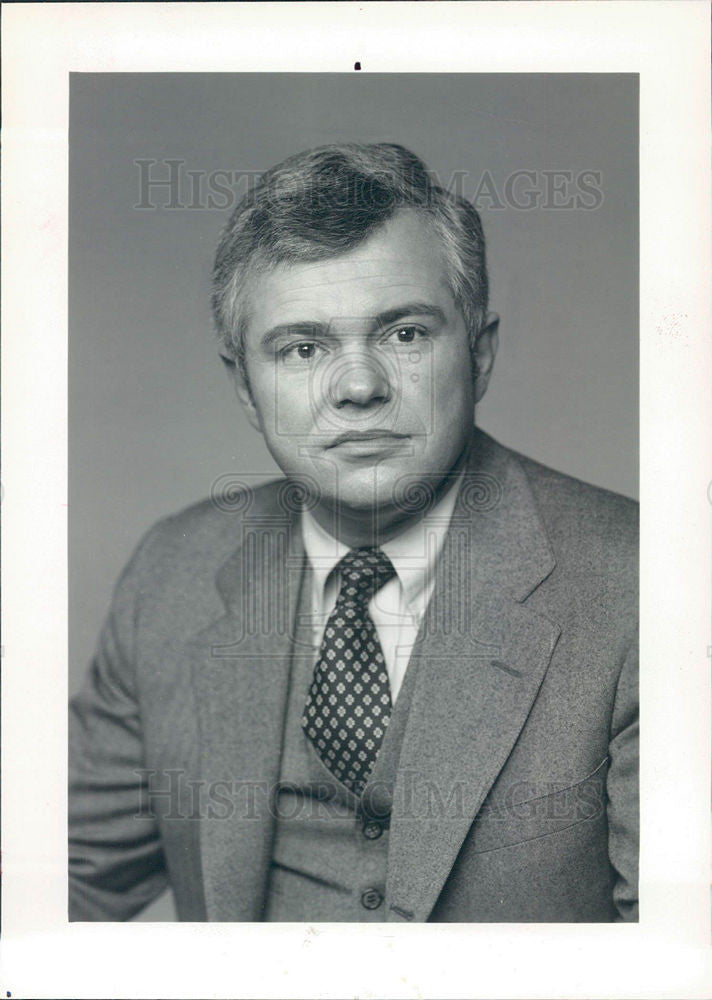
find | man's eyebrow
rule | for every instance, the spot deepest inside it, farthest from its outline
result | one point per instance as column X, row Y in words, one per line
column 313, row 328
column 307, row 328
column 410, row 309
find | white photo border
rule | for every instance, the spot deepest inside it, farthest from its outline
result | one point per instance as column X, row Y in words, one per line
column 668, row 953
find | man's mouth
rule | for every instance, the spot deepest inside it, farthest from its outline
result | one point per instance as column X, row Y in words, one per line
column 376, row 437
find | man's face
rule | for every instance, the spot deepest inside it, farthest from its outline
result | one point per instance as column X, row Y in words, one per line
column 359, row 367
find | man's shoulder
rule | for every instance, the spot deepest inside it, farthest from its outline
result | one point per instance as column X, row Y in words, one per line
column 207, row 532
column 587, row 522
column 561, row 494
column 583, row 523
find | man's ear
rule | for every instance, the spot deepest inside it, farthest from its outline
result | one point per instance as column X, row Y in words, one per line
column 485, row 351
column 241, row 385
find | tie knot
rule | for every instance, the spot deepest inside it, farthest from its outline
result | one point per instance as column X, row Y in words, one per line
column 363, row 572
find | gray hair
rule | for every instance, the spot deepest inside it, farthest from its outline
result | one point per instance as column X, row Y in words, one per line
column 325, row 201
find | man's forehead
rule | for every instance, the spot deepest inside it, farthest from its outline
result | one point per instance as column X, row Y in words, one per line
column 329, row 297
column 314, row 281
column 400, row 260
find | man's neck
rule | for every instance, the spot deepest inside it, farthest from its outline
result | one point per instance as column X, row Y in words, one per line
column 357, row 529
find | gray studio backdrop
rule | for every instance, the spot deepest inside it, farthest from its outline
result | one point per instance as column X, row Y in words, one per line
column 551, row 162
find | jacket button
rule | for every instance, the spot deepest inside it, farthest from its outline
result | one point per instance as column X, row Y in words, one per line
column 371, row 899
column 372, row 830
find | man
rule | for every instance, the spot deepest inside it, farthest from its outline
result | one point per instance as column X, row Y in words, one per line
column 399, row 685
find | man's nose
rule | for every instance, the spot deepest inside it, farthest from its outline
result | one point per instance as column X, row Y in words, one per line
column 358, row 380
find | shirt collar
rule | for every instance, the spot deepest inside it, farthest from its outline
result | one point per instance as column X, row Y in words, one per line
column 414, row 552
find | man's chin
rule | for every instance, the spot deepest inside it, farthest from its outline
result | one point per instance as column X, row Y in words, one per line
column 366, row 489
column 362, row 502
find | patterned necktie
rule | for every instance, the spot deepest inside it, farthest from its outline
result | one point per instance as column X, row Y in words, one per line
column 349, row 703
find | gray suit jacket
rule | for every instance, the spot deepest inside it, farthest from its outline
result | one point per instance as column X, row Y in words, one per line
column 515, row 796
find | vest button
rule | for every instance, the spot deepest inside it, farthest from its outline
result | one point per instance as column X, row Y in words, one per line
column 371, row 899
column 372, row 830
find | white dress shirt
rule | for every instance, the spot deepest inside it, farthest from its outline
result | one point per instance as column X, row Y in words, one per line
column 398, row 608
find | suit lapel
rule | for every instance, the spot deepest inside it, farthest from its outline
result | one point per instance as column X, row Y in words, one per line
column 241, row 665
column 480, row 658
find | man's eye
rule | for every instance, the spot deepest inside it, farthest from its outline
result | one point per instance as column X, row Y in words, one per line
column 304, row 351
column 405, row 334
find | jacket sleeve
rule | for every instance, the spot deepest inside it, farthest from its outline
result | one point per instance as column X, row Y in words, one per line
column 622, row 789
column 116, row 863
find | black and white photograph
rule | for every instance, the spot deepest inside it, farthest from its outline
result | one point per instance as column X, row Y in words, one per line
column 356, row 451
column 395, row 679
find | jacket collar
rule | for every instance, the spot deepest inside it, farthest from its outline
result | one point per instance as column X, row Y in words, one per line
column 509, row 546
